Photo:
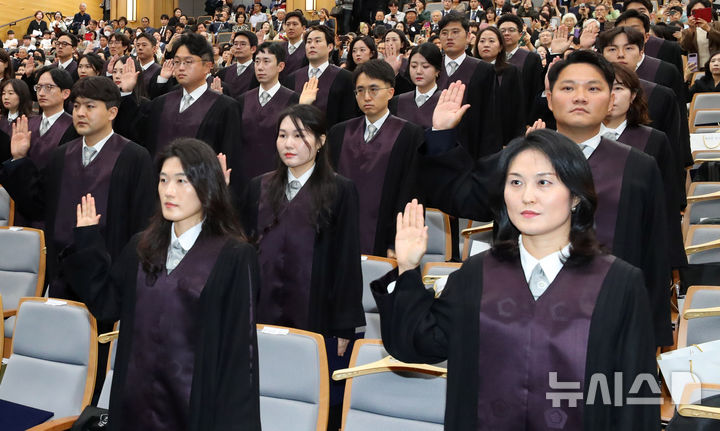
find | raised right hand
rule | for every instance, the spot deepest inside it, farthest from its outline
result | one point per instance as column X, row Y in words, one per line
column 20, row 140
column 561, row 40
column 86, row 215
column 309, row 93
column 128, row 79
column 168, row 68
column 410, row 237
column 449, row 109
column 29, row 67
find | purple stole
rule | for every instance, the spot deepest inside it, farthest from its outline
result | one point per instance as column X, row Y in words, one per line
column 521, row 341
column 295, row 60
column 636, row 137
column 607, row 164
column 175, row 124
column 42, row 147
column 164, row 338
column 238, row 85
column 366, row 164
column 5, row 125
column 408, row 110
column 403, row 66
column 72, row 68
column 652, row 46
column 324, row 83
column 463, row 73
column 648, row 69
column 78, row 180
column 259, row 131
column 518, row 59
column 151, row 73
column 285, row 257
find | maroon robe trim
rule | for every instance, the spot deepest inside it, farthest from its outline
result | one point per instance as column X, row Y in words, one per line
column 238, row 85
column 408, row 110
column 463, row 73
column 636, row 137
column 295, row 60
column 175, row 124
column 325, row 82
column 652, row 46
column 518, row 59
column 649, row 68
column 41, row 147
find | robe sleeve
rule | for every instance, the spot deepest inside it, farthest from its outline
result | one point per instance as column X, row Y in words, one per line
column 26, row 186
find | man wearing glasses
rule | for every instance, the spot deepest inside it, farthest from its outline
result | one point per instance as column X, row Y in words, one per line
column 377, row 151
column 64, row 49
column 240, row 77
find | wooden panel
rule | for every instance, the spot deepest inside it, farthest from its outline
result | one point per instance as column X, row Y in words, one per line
column 319, row 4
column 12, row 10
column 149, row 8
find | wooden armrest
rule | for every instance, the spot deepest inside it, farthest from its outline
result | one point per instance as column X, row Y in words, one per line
column 695, row 313
column 61, row 424
column 9, row 313
column 695, row 411
column 705, row 160
column 388, row 363
column 108, row 337
column 692, row 249
column 431, row 279
column 705, row 197
column 477, row 229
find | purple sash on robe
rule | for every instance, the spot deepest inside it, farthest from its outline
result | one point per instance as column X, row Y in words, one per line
column 463, row 73
column 518, row 59
column 408, row 110
column 295, row 60
column 636, row 137
column 366, row 164
column 521, row 341
column 259, row 132
column 648, row 69
column 41, row 147
column 164, row 339
column 324, row 83
column 72, row 67
column 652, row 46
column 286, row 259
column 238, row 85
column 151, row 73
column 607, row 164
column 175, row 124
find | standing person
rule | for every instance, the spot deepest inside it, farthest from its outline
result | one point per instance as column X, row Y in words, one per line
column 295, row 24
column 38, row 26
column 425, row 63
column 240, row 77
column 15, row 101
column 145, row 46
column 305, row 213
column 65, row 46
column 189, row 279
column 81, row 18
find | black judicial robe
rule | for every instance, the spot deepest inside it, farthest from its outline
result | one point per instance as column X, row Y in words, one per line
column 352, row 158
column 224, row 391
column 293, row 61
column 665, row 50
column 510, row 103
column 478, row 127
column 318, row 267
column 42, row 146
column 5, row 153
column 335, row 95
column 130, row 198
column 665, row 117
column 150, row 75
column 631, row 218
column 72, row 69
column 404, row 106
column 479, row 297
column 533, row 78
column 238, row 85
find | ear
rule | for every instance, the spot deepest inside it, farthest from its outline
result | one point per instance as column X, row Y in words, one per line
column 322, row 141
column 113, row 112
column 548, row 95
column 65, row 94
column 610, row 103
column 575, row 201
column 281, row 66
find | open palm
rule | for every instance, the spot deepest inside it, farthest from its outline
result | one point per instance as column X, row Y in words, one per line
column 410, row 237
column 450, row 109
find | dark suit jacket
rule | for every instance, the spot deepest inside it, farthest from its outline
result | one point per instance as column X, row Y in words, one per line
column 341, row 104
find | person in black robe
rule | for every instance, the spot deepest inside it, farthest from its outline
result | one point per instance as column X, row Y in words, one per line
column 295, row 24
column 478, row 131
column 15, row 102
column 662, row 49
column 305, row 220
column 118, row 173
column 334, row 84
column 65, row 47
column 191, row 111
column 665, row 117
column 543, row 308
column 145, row 48
column 396, row 46
column 240, row 77
column 377, row 152
column 184, row 290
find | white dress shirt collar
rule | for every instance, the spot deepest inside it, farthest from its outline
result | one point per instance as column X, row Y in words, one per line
column 640, row 62
column 428, row 94
column 274, row 89
column 188, row 238
column 303, row 178
column 378, row 124
column 296, row 45
column 196, row 93
column 458, row 60
column 51, row 119
column 550, row 264
column 99, row 145
column 618, row 130
column 11, row 117
column 147, row 65
column 246, row 64
column 322, row 68
column 66, row 64
column 592, row 144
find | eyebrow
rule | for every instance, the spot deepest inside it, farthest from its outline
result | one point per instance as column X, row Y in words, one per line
column 573, row 81
column 539, row 174
column 181, row 174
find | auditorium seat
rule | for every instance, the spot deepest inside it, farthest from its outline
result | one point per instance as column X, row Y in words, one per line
column 703, row 207
column 433, row 6
column 697, row 415
column 439, row 247
column 223, row 37
column 373, row 267
column 6, row 208
column 704, row 101
column 704, row 117
column 104, row 399
column 700, row 321
column 434, row 274
column 294, row 387
column 476, row 238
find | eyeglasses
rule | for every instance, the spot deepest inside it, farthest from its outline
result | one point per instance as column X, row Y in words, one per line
column 44, row 87
column 115, row 42
column 372, row 91
column 187, row 62
column 63, row 44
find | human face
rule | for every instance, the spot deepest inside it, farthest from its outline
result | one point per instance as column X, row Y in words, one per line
column 569, row 23
column 436, row 16
column 144, row 49
column 190, row 70
column 373, row 106
column 297, row 148
column 511, row 34
column 447, row 4
column 537, row 201
column 267, row 68
column 183, row 20
column 84, row 68
column 83, row 7
column 580, row 99
column 92, row 118
column 381, row 48
column 39, row 16
column 623, row 52
column 379, row 16
column 115, row 46
column 52, row 99
column 392, row 39
column 241, row 49
column 546, row 38
column 3, row 66
column 488, row 46
column 600, row 13
column 293, row 29
column 454, row 39
column 640, row 8
column 58, row 16
column 361, row 53
column 622, row 98
column 419, row 6
column 10, row 99
column 178, row 13
column 63, row 47
column 473, row 4
column 422, row 73
column 145, row 22
column 178, row 199
column 635, row 23
column 317, row 49
column 117, row 72
column 715, row 65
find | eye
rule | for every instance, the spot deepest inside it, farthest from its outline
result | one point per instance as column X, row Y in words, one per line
column 163, row 180
column 514, row 182
column 544, row 182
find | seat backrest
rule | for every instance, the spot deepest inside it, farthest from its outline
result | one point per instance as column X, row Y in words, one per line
column 104, row 399
column 439, row 245
column 6, row 208
column 223, row 37
column 405, row 401
column 294, row 392
column 705, row 101
column 2, row 330
column 706, row 117
column 478, row 242
column 433, row 6
column 373, row 267
column 704, row 209
column 702, row 329
column 53, row 357
column 701, row 234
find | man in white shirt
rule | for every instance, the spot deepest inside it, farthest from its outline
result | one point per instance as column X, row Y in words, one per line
column 394, row 16
column 257, row 18
column 64, row 49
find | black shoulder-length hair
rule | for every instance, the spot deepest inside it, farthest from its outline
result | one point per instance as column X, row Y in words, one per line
column 369, row 42
column 321, row 184
column 203, row 170
column 23, row 91
column 573, row 170
column 500, row 62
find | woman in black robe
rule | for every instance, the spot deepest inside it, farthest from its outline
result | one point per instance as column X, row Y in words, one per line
column 543, row 308
column 183, row 290
column 15, row 101
column 424, row 65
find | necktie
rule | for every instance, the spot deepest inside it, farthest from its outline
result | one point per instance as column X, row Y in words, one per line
column 185, row 103
column 175, row 255
column 240, row 69
column 420, row 99
column 610, row 134
column 508, row 56
column 314, row 72
column 264, row 98
column 370, row 132
column 291, row 49
column 538, row 282
column 452, row 67
column 44, row 125
column 292, row 189
column 88, row 154
column 472, row 16
column 587, row 150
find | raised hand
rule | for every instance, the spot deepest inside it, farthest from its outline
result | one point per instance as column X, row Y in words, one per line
column 309, row 93
column 128, row 78
column 222, row 158
column 537, row 125
column 410, row 237
column 449, row 109
column 216, row 85
column 86, row 215
column 29, row 67
column 168, row 68
column 392, row 57
column 561, row 41
column 587, row 38
column 111, row 63
column 20, row 140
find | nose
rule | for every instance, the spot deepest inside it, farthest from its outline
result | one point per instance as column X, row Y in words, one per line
column 528, row 194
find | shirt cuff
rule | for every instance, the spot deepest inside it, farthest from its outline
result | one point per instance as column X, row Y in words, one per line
column 391, row 287
column 161, row 80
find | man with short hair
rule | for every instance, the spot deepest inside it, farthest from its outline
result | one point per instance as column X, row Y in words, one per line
column 10, row 42
column 447, row 7
column 65, row 46
column 334, row 84
column 145, row 49
column 600, row 14
column 295, row 23
column 145, row 25
column 221, row 23
column 257, row 17
column 476, row 12
column 238, row 78
column 279, row 21
column 81, row 18
column 27, row 43
column 662, row 49
column 164, row 20
column 412, row 27
column 394, row 16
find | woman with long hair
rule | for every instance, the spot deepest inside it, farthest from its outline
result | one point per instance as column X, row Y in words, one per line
column 361, row 49
column 16, row 102
column 183, row 289
column 508, row 87
column 6, row 66
column 396, row 46
column 710, row 81
column 425, row 63
column 90, row 64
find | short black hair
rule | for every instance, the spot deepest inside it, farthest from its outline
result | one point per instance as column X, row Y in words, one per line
column 327, row 31
column 298, row 15
column 94, row 61
column 165, row 16
column 647, row 3
column 124, row 40
column 273, row 48
column 583, row 57
column 97, row 88
column 511, row 18
column 60, row 77
column 196, row 44
column 144, row 35
column 705, row 3
column 27, row 37
column 393, row 3
column 379, row 32
column 251, row 37
column 375, row 69
column 454, row 16
column 632, row 13
column 73, row 39
column 431, row 53
column 606, row 38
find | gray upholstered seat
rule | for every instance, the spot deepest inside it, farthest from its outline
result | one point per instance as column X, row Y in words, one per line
column 706, row 101
column 701, row 234
column 372, row 269
column 4, row 207
column 707, row 118
column 703, row 329
column 698, row 211
column 438, row 246
column 393, row 401
column 433, row 6
column 54, row 352
column 293, row 379
column 104, row 399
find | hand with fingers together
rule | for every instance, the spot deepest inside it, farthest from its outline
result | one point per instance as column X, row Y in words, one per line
column 20, row 140
column 216, row 85
column 561, row 40
column 129, row 76
column 222, row 158
column 537, row 125
column 450, row 109
column 310, row 91
column 392, row 57
column 168, row 69
column 410, row 237
column 86, row 215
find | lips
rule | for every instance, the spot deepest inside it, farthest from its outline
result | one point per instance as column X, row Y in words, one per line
column 529, row 214
column 170, row 205
column 289, row 155
column 579, row 111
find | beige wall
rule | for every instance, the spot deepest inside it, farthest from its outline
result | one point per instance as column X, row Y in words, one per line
column 149, row 8
column 12, row 10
